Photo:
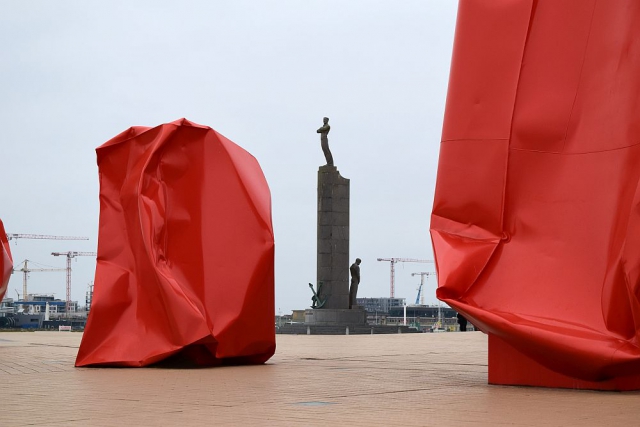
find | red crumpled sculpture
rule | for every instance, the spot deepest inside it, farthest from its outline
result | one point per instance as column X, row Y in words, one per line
column 185, row 267
column 536, row 219
column 6, row 262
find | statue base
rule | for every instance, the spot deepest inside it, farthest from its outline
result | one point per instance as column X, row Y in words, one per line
column 330, row 317
column 332, row 266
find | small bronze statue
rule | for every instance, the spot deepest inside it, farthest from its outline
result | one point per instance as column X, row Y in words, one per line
column 355, row 281
column 316, row 301
column 324, row 140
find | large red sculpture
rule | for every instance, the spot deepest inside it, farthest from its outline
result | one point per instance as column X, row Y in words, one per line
column 6, row 262
column 536, row 219
column 185, row 266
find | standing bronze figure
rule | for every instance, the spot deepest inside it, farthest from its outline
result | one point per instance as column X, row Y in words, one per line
column 324, row 140
column 355, row 281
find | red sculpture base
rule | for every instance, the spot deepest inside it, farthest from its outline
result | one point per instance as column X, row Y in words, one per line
column 507, row 366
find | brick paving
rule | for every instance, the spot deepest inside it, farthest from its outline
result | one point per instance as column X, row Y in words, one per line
column 355, row 380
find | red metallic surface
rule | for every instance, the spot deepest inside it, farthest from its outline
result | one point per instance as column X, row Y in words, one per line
column 6, row 262
column 536, row 215
column 185, row 266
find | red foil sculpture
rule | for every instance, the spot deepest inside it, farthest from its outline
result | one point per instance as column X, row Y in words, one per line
column 6, row 262
column 536, row 219
column 185, row 266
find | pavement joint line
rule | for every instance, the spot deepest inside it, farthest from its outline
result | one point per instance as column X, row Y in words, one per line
column 420, row 359
column 314, row 403
column 399, row 369
column 53, row 345
column 377, row 356
column 382, row 392
column 196, row 404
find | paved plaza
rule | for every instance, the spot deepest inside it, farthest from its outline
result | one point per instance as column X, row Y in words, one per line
column 355, row 380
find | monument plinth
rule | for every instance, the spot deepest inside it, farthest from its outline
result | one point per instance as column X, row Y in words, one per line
column 333, row 237
column 333, row 254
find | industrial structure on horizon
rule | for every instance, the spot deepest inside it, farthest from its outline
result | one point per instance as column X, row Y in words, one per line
column 40, row 311
column 43, row 311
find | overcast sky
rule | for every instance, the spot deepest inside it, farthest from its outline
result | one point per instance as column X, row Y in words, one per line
column 262, row 73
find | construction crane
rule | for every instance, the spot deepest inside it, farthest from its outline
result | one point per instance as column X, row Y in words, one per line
column 16, row 236
column 69, row 255
column 420, row 293
column 26, row 270
column 393, row 271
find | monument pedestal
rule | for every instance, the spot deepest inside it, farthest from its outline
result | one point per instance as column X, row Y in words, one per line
column 333, row 316
column 333, row 237
column 338, row 317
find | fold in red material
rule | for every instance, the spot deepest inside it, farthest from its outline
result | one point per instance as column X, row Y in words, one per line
column 536, row 219
column 185, row 267
column 6, row 262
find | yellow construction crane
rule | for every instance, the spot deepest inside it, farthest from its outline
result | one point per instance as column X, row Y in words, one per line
column 393, row 271
column 26, row 270
column 69, row 255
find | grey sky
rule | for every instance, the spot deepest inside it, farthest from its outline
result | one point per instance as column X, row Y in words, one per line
column 262, row 73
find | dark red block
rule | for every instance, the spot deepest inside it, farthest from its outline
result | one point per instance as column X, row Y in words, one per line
column 185, row 266
column 6, row 262
column 536, row 215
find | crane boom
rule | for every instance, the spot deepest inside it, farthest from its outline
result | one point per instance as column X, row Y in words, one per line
column 15, row 236
column 393, row 261
column 69, row 255
column 73, row 254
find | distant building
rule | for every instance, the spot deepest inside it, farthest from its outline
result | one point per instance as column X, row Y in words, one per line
column 297, row 316
column 36, row 304
column 380, row 305
column 89, row 298
column 426, row 317
column 31, row 314
column 6, row 307
column 430, row 311
column 390, row 311
column 282, row 319
column 22, row 320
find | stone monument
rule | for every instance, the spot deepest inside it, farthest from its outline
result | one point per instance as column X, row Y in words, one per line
column 331, row 296
column 333, row 310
